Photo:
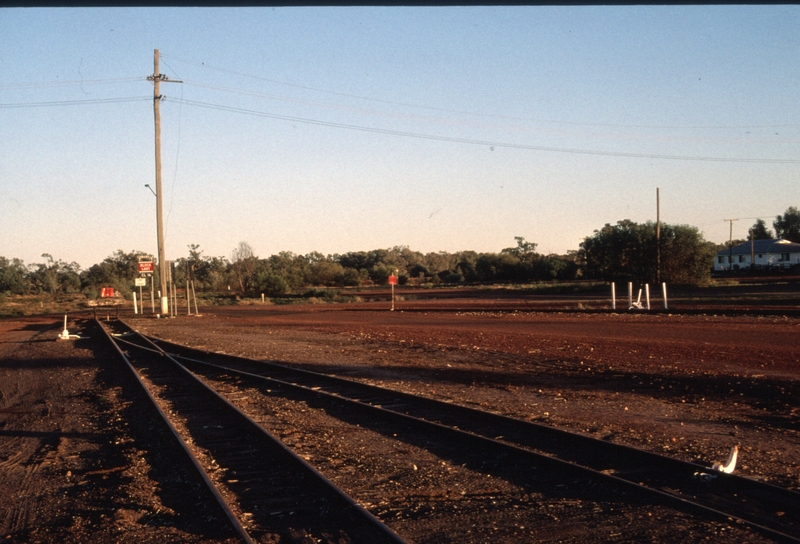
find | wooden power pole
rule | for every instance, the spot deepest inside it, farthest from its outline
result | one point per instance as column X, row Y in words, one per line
column 730, row 244
column 658, row 236
column 157, row 78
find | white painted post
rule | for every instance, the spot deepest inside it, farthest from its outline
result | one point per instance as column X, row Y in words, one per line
column 630, row 294
column 647, row 294
column 135, row 308
column 664, row 293
column 613, row 296
column 262, row 298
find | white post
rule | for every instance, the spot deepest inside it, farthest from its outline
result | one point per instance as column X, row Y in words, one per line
column 135, row 308
column 262, row 298
column 664, row 293
column 194, row 296
column 630, row 294
column 613, row 296
column 647, row 294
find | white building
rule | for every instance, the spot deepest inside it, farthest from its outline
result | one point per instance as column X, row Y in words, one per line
column 765, row 254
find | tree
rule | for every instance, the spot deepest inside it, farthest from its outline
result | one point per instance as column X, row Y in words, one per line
column 118, row 271
column 622, row 252
column 760, row 230
column 13, row 277
column 243, row 266
column 686, row 258
column 787, row 226
column 523, row 250
column 626, row 252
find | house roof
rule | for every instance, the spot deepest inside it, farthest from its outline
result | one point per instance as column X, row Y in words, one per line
column 763, row 246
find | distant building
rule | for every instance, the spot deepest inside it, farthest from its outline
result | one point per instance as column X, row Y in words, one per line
column 766, row 253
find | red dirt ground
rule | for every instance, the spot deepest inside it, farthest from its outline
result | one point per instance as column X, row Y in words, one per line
column 686, row 386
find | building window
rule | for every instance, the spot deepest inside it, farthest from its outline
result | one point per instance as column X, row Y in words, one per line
column 784, row 257
column 741, row 258
column 721, row 260
column 760, row 255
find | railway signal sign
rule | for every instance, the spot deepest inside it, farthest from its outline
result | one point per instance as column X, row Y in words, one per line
column 145, row 267
column 392, row 282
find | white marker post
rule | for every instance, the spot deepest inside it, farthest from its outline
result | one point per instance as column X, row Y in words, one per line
column 647, row 294
column 613, row 296
column 630, row 294
column 135, row 307
column 664, row 294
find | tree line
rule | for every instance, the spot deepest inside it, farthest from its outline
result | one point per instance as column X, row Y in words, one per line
column 626, row 251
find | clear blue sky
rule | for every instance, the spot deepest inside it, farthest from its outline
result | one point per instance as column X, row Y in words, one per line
column 347, row 129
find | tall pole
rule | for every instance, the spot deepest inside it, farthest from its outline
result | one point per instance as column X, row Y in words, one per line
column 157, row 78
column 730, row 244
column 162, row 262
column 658, row 236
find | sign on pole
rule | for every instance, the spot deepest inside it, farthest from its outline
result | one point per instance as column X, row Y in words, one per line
column 140, row 282
column 145, row 267
column 392, row 282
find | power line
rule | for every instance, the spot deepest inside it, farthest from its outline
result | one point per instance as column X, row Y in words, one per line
column 51, row 84
column 462, row 112
column 391, row 132
column 75, row 102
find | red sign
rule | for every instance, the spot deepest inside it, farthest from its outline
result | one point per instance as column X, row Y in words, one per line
column 392, row 280
column 145, row 267
column 106, row 292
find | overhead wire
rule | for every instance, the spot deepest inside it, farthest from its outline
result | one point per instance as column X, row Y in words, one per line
column 487, row 143
column 50, row 84
column 464, row 112
column 82, row 102
column 373, row 129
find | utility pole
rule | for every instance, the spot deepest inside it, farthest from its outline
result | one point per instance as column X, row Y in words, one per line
column 658, row 236
column 157, row 78
column 730, row 244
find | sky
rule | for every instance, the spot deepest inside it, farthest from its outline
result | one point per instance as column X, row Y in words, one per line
column 343, row 129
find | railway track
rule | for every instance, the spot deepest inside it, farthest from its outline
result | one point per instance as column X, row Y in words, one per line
column 499, row 442
column 266, row 491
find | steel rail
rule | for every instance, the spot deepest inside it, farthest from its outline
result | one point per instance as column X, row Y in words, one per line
column 384, row 533
column 232, row 518
column 727, row 481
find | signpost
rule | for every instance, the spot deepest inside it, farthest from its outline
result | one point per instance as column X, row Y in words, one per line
column 139, row 282
column 146, row 268
column 392, row 282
